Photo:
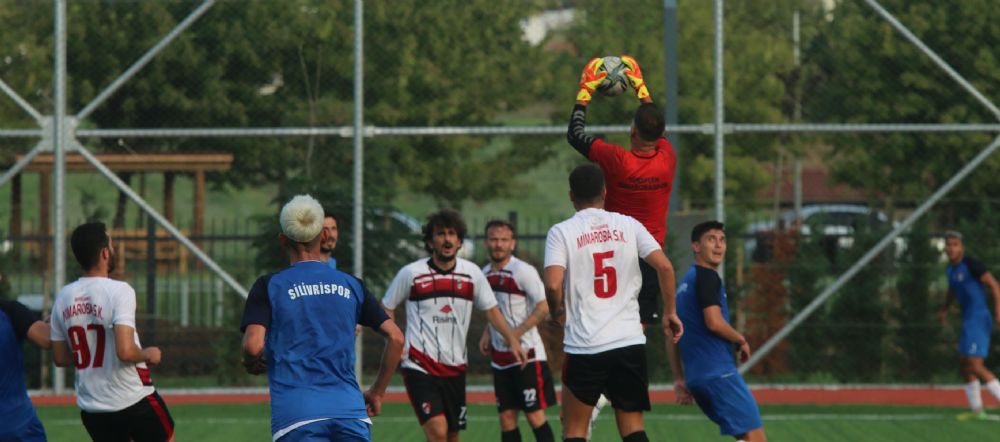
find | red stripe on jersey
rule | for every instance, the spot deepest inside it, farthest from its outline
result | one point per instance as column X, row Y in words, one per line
column 433, row 285
column 540, row 388
column 503, row 358
column 162, row 415
column 434, row 368
column 503, row 281
column 144, row 376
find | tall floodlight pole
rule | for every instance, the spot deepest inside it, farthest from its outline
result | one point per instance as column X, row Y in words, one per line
column 359, row 151
column 670, row 92
column 720, row 213
column 59, row 166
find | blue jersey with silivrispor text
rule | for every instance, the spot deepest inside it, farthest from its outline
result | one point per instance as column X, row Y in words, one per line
column 705, row 354
column 964, row 280
column 310, row 312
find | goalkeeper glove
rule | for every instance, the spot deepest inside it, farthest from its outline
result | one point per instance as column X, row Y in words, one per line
column 590, row 79
column 634, row 75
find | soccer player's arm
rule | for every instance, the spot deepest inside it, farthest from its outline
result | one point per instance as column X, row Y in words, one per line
column 601, row 152
column 554, row 273
column 650, row 251
column 123, row 323
column 254, row 325
column 374, row 317
column 397, row 292
column 61, row 356
column 535, row 291
column 26, row 324
column 681, row 394
column 979, row 271
column 707, row 286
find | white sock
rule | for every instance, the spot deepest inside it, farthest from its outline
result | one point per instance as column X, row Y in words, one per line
column 975, row 399
column 994, row 388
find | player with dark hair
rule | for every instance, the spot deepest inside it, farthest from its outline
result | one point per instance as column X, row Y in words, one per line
column 521, row 298
column 20, row 423
column 706, row 349
column 330, row 227
column 638, row 179
column 440, row 293
column 93, row 329
column 591, row 258
column 967, row 280
column 299, row 327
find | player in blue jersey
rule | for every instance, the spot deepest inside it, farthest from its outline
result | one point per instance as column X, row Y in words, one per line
column 299, row 326
column 706, row 348
column 19, row 420
column 967, row 280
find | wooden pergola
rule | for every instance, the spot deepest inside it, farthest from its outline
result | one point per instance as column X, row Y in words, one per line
column 168, row 164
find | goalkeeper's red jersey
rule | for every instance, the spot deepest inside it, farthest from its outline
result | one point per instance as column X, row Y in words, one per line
column 638, row 184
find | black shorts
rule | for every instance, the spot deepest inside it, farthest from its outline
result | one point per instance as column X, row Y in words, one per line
column 432, row 396
column 145, row 421
column 528, row 389
column 649, row 295
column 620, row 374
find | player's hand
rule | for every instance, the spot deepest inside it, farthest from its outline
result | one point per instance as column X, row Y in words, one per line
column 590, row 78
column 373, row 403
column 152, row 356
column 744, row 351
column 682, row 395
column 255, row 366
column 672, row 327
column 634, row 75
column 520, row 355
column 484, row 344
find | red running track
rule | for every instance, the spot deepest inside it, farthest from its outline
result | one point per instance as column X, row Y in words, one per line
column 947, row 396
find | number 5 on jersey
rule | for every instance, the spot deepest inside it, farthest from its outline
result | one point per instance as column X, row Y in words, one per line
column 605, row 277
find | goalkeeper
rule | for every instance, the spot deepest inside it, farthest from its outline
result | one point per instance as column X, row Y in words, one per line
column 638, row 179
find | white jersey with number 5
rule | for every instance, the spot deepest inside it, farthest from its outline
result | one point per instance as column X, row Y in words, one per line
column 84, row 315
column 600, row 251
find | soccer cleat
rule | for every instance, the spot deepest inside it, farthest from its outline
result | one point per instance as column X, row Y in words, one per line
column 973, row 415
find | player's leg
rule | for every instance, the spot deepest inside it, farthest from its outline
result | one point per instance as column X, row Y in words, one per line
column 538, row 393
column 111, row 427
column 507, row 388
column 753, row 436
column 150, row 421
column 649, row 295
column 584, row 378
column 453, row 400
column 628, row 391
column 425, row 397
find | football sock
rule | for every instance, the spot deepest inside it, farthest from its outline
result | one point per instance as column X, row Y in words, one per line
column 544, row 433
column 510, row 436
column 994, row 388
column 638, row 436
column 975, row 399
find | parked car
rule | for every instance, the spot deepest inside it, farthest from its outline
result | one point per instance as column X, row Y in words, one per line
column 837, row 223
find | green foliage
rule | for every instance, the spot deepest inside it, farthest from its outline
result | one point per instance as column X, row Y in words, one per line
column 809, row 344
column 868, row 73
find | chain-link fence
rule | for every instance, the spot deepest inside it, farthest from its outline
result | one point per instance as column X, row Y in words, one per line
column 830, row 112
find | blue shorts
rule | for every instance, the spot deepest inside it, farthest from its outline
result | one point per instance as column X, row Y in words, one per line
column 975, row 338
column 348, row 430
column 728, row 403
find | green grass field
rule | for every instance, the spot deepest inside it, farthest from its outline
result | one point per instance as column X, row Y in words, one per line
column 664, row 423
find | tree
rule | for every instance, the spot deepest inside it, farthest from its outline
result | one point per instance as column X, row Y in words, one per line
column 868, row 72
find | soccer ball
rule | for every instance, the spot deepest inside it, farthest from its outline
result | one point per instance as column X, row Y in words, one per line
column 615, row 83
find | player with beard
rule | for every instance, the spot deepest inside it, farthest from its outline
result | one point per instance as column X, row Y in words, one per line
column 440, row 293
column 93, row 329
column 330, row 238
column 521, row 298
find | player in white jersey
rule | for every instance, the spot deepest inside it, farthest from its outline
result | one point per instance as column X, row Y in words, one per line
column 440, row 293
column 521, row 298
column 593, row 259
column 93, row 330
